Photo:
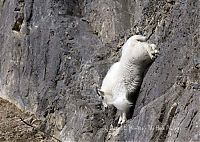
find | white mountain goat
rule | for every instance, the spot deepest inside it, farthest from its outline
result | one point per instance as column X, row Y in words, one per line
column 122, row 82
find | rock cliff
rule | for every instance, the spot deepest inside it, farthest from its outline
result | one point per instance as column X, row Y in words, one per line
column 54, row 53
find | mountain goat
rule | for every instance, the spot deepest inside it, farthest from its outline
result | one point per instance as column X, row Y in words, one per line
column 122, row 82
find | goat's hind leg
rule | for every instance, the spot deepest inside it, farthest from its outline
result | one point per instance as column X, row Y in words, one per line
column 153, row 51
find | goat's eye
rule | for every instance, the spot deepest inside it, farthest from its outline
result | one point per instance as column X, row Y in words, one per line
column 102, row 97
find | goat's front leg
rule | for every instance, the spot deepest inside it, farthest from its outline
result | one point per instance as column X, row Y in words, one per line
column 122, row 118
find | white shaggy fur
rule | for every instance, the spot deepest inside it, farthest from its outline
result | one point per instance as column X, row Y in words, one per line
column 125, row 77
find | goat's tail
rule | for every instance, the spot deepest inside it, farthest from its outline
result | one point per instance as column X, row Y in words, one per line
column 139, row 38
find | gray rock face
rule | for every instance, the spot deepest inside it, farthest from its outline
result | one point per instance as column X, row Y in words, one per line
column 54, row 53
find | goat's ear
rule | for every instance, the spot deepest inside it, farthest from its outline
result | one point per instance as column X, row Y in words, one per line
column 99, row 92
